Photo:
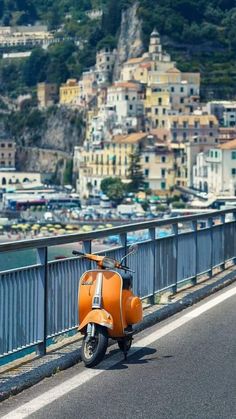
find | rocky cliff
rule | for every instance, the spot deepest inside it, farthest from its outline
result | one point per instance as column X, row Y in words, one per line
column 45, row 139
column 130, row 43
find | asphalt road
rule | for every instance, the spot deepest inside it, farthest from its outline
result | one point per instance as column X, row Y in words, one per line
column 188, row 370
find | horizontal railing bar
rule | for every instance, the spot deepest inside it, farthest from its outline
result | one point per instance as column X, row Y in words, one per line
column 70, row 238
column 23, row 268
column 21, row 348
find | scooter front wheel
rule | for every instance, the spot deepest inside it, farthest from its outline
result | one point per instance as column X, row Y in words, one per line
column 93, row 349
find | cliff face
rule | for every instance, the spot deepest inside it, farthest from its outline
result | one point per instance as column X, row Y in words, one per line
column 130, row 43
column 45, row 139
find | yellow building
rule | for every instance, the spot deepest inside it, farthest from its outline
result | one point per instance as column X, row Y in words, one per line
column 113, row 159
column 157, row 106
column 69, row 92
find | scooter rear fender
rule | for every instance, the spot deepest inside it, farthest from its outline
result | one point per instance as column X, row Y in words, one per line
column 97, row 316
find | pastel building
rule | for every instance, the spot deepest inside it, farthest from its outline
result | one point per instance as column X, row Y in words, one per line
column 113, row 159
column 215, row 171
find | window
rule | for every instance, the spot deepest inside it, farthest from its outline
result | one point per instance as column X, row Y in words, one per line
column 163, row 185
column 181, row 89
column 233, row 172
column 163, row 172
column 156, row 111
column 146, row 172
column 130, row 107
column 191, row 91
column 181, row 100
column 216, row 153
column 172, row 89
column 185, row 124
column 159, row 101
column 164, row 111
column 146, row 159
column 163, row 159
column 126, row 97
column 233, row 155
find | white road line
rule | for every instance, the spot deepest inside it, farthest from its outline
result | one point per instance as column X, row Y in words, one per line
column 69, row 385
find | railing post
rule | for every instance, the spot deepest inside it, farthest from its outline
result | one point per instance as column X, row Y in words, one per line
column 222, row 217
column 152, row 234
column 210, row 225
column 234, row 219
column 195, row 229
column 42, row 259
column 176, row 239
column 123, row 241
column 87, row 248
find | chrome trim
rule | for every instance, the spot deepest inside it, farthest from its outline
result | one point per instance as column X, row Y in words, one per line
column 97, row 298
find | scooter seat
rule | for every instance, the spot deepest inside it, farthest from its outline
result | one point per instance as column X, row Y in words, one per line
column 127, row 280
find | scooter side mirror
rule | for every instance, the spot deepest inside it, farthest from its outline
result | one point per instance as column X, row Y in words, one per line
column 133, row 249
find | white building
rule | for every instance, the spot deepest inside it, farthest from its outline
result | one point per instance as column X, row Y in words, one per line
column 215, row 171
column 25, row 35
column 126, row 100
column 225, row 111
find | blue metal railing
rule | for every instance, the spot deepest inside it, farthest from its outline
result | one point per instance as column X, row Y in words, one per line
column 38, row 302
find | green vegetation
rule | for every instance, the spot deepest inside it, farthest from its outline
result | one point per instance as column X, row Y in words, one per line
column 113, row 188
column 199, row 34
column 135, row 173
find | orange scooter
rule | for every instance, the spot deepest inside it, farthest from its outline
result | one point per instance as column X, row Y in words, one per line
column 107, row 307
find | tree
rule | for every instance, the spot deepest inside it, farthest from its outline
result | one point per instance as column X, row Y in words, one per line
column 113, row 188
column 135, row 173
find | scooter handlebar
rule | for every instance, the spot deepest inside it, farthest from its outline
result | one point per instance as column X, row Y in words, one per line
column 76, row 253
column 125, row 268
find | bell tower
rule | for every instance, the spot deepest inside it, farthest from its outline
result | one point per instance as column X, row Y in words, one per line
column 155, row 48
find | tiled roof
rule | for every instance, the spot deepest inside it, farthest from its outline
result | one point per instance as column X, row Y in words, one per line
column 230, row 145
column 125, row 85
column 135, row 60
column 129, row 138
column 190, row 119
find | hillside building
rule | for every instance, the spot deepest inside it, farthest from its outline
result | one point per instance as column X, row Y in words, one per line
column 69, row 92
column 215, row 171
column 7, row 154
column 47, row 94
column 225, row 112
column 113, row 159
column 37, row 35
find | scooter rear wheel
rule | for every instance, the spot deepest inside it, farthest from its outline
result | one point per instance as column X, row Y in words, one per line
column 93, row 350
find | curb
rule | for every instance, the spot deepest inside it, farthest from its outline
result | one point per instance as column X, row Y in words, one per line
column 27, row 375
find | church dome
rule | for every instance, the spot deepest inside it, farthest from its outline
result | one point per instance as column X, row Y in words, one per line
column 155, row 33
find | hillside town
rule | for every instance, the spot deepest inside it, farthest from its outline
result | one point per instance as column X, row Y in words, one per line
column 152, row 111
column 153, row 108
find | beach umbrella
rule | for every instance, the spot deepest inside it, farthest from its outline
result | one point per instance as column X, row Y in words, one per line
column 15, row 226
column 61, row 231
column 109, row 225
column 1, row 227
column 57, row 226
column 49, row 225
column 100, row 227
column 70, row 231
column 87, row 228
column 24, row 226
column 44, row 229
column 34, row 228
column 69, row 227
